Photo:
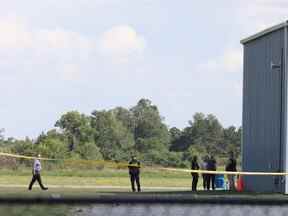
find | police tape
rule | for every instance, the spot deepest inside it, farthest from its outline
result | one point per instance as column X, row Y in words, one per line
column 226, row 172
column 125, row 165
column 71, row 161
column 24, row 157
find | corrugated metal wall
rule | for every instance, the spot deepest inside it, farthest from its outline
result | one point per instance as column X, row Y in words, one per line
column 262, row 108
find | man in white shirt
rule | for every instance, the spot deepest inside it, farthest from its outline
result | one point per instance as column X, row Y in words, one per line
column 36, row 174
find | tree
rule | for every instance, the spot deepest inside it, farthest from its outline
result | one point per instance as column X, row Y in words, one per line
column 215, row 134
column 203, row 131
column 51, row 147
column 115, row 134
column 89, row 151
column 232, row 139
column 77, row 128
column 126, row 117
column 113, row 138
column 176, row 139
column 24, row 147
column 149, row 127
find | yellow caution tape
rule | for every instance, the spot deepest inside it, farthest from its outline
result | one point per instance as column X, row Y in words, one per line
column 98, row 162
column 125, row 165
column 24, row 157
column 226, row 172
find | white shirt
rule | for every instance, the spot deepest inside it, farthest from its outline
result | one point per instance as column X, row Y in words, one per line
column 37, row 165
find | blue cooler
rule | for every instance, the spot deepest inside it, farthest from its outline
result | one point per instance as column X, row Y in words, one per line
column 219, row 181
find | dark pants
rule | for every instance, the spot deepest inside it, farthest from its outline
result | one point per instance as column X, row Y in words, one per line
column 204, row 176
column 211, row 180
column 37, row 177
column 231, row 180
column 135, row 177
column 194, row 182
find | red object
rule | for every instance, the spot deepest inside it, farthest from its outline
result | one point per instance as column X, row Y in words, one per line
column 240, row 184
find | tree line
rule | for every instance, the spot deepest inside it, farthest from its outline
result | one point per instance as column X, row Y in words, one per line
column 118, row 133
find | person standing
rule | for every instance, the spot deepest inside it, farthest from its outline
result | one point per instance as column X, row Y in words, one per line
column 231, row 167
column 204, row 175
column 36, row 174
column 211, row 166
column 134, row 172
column 194, row 166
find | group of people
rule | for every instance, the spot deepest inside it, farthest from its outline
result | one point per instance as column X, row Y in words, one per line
column 208, row 163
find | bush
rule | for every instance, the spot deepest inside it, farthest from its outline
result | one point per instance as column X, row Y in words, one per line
column 88, row 151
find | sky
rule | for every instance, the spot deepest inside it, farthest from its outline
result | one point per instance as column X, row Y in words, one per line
column 185, row 56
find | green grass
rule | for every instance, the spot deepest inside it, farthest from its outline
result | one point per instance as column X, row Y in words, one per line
column 100, row 181
column 86, row 177
column 97, row 181
column 97, row 177
column 95, row 173
column 106, row 177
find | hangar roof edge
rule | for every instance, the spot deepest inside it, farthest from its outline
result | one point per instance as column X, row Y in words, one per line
column 264, row 32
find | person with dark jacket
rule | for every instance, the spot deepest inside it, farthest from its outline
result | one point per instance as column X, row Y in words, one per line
column 36, row 174
column 194, row 166
column 211, row 166
column 231, row 167
column 134, row 172
column 204, row 175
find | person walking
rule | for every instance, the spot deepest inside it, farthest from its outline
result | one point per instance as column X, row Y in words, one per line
column 195, row 176
column 36, row 174
column 134, row 172
column 211, row 166
column 231, row 166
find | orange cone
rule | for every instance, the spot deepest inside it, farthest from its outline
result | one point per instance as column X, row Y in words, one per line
column 240, row 184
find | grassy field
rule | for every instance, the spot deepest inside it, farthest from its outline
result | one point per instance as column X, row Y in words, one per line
column 96, row 181
column 99, row 178
column 14, row 183
column 149, row 178
column 10, row 180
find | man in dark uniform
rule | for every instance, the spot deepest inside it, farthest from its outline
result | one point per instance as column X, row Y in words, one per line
column 231, row 167
column 134, row 172
column 211, row 166
column 194, row 166
column 204, row 175
column 36, row 174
